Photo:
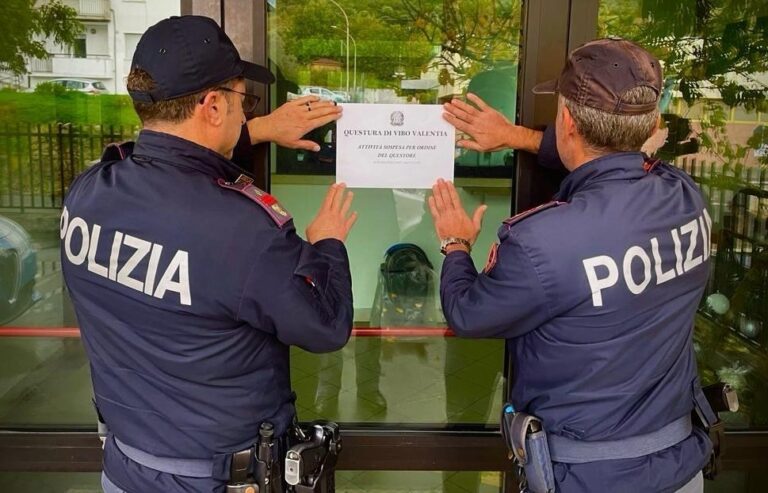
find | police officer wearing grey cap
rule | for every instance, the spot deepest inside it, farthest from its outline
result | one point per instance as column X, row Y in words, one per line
column 595, row 292
column 188, row 282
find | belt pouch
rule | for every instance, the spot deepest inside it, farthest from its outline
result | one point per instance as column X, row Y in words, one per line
column 538, row 468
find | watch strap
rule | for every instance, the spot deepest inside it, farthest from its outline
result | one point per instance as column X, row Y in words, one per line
column 451, row 240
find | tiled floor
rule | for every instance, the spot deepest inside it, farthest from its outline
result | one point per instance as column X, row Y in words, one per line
column 346, row 482
column 432, row 380
column 417, row 481
column 365, row 481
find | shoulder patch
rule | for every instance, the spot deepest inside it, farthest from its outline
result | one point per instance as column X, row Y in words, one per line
column 117, row 151
column 649, row 164
column 493, row 256
column 266, row 201
column 530, row 212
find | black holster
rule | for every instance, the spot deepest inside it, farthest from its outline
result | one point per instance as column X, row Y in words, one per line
column 310, row 465
column 708, row 403
column 257, row 469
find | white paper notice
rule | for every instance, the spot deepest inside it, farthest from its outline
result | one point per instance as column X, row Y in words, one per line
column 393, row 146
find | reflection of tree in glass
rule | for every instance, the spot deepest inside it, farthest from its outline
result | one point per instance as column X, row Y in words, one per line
column 712, row 49
column 399, row 36
column 722, row 355
column 309, row 30
column 472, row 34
column 706, row 43
column 22, row 26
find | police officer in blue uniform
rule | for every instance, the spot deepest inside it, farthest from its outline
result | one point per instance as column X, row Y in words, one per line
column 189, row 283
column 596, row 291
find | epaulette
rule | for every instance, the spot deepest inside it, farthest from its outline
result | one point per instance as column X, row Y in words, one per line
column 117, row 151
column 530, row 212
column 271, row 206
column 650, row 163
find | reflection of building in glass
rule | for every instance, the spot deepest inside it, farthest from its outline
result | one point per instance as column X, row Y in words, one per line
column 103, row 51
column 438, row 82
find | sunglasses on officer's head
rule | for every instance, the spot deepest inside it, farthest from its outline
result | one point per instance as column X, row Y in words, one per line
column 250, row 101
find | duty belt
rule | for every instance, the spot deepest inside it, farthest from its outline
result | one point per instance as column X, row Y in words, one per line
column 562, row 449
column 534, row 451
column 309, row 463
column 257, row 465
column 193, row 468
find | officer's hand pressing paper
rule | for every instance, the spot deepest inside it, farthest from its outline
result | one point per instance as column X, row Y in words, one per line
column 287, row 124
column 487, row 128
column 454, row 227
column 333, row 220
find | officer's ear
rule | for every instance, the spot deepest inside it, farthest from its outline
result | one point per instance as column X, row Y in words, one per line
column 213, row 107
column 656, row 127
column 567, row 123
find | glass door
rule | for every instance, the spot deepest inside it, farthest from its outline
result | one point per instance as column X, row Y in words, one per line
column 403, row 366
column 403, row 371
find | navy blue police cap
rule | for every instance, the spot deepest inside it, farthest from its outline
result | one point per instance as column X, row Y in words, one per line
column 188, row 54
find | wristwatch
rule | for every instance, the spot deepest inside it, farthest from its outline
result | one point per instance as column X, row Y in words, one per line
column 451, row 240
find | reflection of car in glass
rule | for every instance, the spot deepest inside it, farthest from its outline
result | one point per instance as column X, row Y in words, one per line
column 344, row 96
column 18, row 266
column 324, row 93
column 82, row 85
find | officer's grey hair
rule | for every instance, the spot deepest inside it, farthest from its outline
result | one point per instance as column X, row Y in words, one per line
column 606, row 132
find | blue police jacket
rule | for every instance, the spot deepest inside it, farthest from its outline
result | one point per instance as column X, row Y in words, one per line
column 188, row 294
column 596, row 295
